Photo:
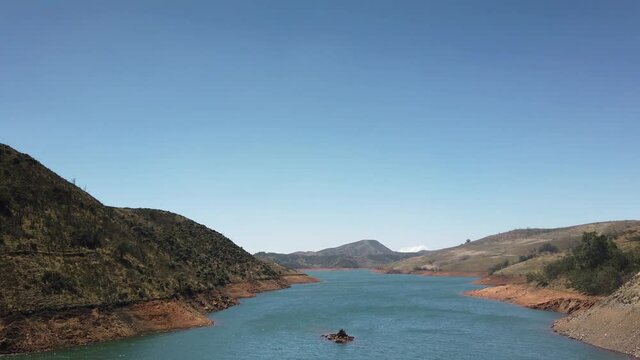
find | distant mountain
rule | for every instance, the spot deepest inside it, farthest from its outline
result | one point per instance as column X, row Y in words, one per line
column 359, row 254
column 485, row 253
column 356, row 249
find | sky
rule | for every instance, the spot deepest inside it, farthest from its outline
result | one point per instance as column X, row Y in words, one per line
column 300, row 125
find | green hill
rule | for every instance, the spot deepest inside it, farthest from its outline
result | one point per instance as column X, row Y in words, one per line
column 61, row 249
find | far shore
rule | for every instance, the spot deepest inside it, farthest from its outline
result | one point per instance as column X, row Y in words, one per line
column 329, row 269
column 511, row 289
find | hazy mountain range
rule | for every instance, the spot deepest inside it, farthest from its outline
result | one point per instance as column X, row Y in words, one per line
column 359, row 254
column 475, row 256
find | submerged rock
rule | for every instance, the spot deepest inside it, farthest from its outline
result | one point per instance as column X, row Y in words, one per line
column 340, row 337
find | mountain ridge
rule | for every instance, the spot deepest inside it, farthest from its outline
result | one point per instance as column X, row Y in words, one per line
column 363, row 247
column 367, row 253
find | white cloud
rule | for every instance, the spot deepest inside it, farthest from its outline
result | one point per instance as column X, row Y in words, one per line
column 413, row 248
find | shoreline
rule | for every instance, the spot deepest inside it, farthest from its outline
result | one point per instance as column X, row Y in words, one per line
column 573, row 304
column 515, row 290
column 329, row 269
column 532, row 297
column 432, row 273
column 56, row 330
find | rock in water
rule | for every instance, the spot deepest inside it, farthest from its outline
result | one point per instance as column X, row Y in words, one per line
column 340, row 337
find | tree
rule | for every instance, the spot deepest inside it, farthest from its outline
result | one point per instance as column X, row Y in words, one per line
column 596, row 250
column 596, row 266
column 498, row 266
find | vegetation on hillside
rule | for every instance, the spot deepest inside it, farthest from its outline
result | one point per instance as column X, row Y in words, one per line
column 546, row 248
column 597, row 266
column 300, row 261
column 499, row 266
column 61, row 248
column 516, row 247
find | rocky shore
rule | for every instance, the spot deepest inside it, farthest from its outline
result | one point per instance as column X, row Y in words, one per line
column 46, row 330
column 611, row 324
column 537, row 298
column 607, row 322
column 515, row 290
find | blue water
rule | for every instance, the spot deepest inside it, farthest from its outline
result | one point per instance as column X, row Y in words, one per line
column 391, row 316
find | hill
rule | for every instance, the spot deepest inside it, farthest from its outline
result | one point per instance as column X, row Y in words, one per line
column 359, row 254
column 358, row 248
column 491, row 252
column 574, row 281
column 62, row 251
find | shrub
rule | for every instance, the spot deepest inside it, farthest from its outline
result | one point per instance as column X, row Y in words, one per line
column 522, row 258
column 89, row 238
column 596, row 266
column 538, row 278
column 548, row 247
column 5, row 201
column 55, row 283
column 124, row 248
column 607, row 280
column 498, row 266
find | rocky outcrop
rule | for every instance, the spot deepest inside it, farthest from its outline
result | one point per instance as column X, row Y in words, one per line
column 567, row 305
column 340, row 337
column 611, row 324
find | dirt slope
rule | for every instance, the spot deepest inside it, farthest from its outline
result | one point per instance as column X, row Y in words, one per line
column 613, row 324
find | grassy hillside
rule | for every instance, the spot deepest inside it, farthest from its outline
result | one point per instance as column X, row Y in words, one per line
column 597, row 266
column 61, row 248
column 493, row 251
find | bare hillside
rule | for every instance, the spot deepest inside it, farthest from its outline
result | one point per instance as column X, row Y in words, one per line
column 481, row 255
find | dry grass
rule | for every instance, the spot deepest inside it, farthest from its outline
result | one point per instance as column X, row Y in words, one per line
column 482, row 254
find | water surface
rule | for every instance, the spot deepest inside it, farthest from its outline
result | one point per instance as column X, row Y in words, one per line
column 392, row 317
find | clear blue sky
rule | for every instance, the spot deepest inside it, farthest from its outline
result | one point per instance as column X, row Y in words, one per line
column 298, row 125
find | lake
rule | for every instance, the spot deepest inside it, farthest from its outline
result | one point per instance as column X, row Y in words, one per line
column 391, row 316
